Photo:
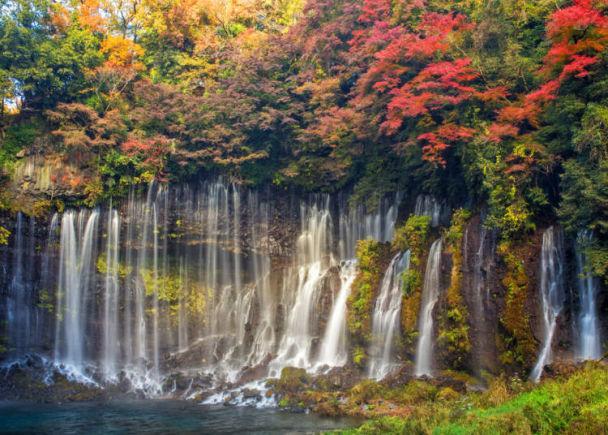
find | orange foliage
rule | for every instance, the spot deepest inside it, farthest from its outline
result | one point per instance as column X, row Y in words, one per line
column 122, row 53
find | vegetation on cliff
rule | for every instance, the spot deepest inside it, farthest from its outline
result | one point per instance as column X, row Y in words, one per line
column 453, row 339
column 372, row 259
column 517, row 342
column 412, row 236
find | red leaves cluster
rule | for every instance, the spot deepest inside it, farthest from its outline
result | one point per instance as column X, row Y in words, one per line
column 564, row 23
column 437, row 86
column 436, row 142
column 407, row 72
column 152, row 151
column 578, row 34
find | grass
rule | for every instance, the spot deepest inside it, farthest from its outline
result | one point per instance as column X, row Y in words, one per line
column 577, row 404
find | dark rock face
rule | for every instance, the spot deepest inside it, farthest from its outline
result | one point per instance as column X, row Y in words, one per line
column 481, row 288
column 338, row 379
column 249, row 374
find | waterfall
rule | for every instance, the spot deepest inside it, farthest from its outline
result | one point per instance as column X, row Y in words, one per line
column 385, row 320
column 427, row 205
column 182, row 320
column 204, row 277
column 589, row 343
column 264, row 339
column 333, row 347
column 430, row 295
column 47, row 283
column 356, row 224
column 129, row 288
column 477, row 272
column 111, row 341
column 76, row 276
column 551, row 292
column 313, row 260
column 155, row 305
column 19, row 315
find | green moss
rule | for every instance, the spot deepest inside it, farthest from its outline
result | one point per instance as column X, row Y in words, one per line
column 411, row 280
column 447, row 394
column 453, row 339
column 371, row 256
column 291, row 387
column 518, row 344
column 578, row 404
column 170, row 286
column 412, row 236
column 45, row 301
column 102, row 267
column 359, row 356
column 4, row 235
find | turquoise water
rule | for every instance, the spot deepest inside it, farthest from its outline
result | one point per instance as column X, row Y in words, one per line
column 156, row 416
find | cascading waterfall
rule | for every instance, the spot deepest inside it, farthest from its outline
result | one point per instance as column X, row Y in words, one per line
column 264, row 339
column 356, row 224
column 111, row 341
column 385, row 320
column 552, row 294
column 333, row 349
column 427, row 205
column 76, row 279
column 430, row 296
column 478, row 271
column 589, row 342
column 180, row 277
column 313, row 260
column 47, row 283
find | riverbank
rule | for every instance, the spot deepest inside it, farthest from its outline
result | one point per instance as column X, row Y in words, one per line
column 576, row 402
column 570, row 398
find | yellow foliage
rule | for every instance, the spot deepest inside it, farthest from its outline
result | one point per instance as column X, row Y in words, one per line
column 122, row 53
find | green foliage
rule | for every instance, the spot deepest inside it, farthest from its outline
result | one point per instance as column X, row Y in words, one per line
column 45, row 301
column 598, row 261
column 45, row 69
column 519, row 346
column 170, row 288
column 585, row 197
column 17, row 137
column 453, row 339
column 508, row 210
column 4, row 235
column 554, row 407
column 577, row 404
column 371, row 256
column 411, row 280
column 592, row 137
column 413, row 235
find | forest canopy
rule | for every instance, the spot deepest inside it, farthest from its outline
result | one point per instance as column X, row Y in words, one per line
column 500, row 104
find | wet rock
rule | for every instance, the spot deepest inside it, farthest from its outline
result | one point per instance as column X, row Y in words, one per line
column 251, row 393
column 337, row 379
column 249, row 374
column 399, row 376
